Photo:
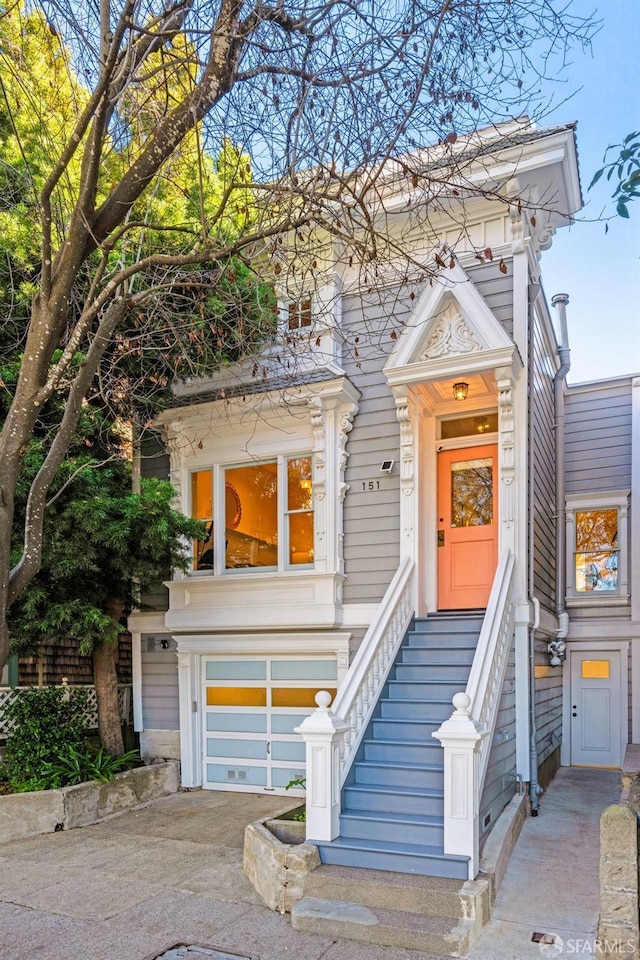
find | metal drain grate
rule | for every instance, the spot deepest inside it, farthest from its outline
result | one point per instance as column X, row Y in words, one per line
column 543, row 937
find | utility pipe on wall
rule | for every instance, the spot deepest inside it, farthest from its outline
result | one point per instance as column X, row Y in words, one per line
column 560, row 301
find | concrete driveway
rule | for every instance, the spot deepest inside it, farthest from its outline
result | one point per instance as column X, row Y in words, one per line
column 135, row 886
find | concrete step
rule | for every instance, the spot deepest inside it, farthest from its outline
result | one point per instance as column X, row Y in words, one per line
column 433, row 671
column 391, row 928
column 417, row 858
column 407, row 751
column 399, row 799
column 379, row 773
column 432, row 710
column 398, row 827
column 412, row 893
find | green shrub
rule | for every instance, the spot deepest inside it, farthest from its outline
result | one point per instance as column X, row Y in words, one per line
column 45, row 722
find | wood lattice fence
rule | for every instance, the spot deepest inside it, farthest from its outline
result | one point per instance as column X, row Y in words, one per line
column 90, row 713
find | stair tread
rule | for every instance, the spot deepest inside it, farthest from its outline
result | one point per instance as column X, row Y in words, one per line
column 397, row 790
column 435, row 682
column 391, row 846
column 434, row 700
column 392, row 742
column 399, row 764
column 404, row 720
column 408, row 818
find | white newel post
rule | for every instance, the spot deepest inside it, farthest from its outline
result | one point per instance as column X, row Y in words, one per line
column 322, row 733
column 461, row 739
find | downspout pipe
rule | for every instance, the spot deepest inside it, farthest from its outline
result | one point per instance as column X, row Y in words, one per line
column 560, row 301
column 534, row 787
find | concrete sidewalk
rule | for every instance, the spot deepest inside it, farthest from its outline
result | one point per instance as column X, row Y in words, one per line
column 134, row 886
column 551, row 885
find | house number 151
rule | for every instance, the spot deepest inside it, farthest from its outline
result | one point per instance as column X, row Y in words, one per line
column 370, row 484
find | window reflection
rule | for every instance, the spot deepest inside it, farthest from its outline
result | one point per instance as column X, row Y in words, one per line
column 254, row 541
column 300, row 510
column 596, row 550
column 472, row 492
column 268, row 514
column 202, row 509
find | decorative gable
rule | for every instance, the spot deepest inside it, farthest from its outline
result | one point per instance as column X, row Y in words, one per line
column 450, row 335
column 452, row 329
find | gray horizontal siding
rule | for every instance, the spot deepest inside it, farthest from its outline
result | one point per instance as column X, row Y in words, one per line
column 371, row 518
column 542, row 497
column 548, row 702
column 500, row 783
column 160, row 707
column 598, row 438
column 497, row 290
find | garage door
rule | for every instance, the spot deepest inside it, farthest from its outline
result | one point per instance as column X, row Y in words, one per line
column 251, row 709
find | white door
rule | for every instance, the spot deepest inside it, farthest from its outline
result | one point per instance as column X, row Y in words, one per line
column 596, row 739
column 251, row 708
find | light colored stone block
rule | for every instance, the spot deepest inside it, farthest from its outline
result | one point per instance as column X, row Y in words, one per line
column 26, row 814
column 618, row 831
column 277, row 870
column 80, row 804
column 618, row 906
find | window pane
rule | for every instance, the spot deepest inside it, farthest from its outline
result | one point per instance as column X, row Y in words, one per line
column 202, row 509
column 597, row 570
column 468, row 426
column 596, row 669
column 596, row 530
column 254, row 541
column 472, row 492
column 300, row 313
column 299, row 488
column 596, row 550
column 300, row 538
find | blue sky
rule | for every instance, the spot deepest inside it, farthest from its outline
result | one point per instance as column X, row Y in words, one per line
column 601, row 272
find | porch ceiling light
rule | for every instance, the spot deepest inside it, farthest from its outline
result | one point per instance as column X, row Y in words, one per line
column 460, row 390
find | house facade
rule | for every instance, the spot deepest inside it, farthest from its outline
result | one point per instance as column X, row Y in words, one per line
column 413, row 509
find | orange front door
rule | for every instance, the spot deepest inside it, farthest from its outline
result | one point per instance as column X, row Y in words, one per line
column 467, row 526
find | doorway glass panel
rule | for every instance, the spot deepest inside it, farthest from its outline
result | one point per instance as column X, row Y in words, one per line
column 472, row 493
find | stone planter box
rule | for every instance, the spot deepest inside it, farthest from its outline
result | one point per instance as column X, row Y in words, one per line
column 27, row 814
column 277, row 870
column 286, row 829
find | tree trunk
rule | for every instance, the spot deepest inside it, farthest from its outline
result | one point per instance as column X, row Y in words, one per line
column 106, row 681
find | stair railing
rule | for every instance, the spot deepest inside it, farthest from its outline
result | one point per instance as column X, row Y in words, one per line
column 467, row 735
column 332, row 737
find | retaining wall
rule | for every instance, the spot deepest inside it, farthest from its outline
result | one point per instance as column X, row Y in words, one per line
column 27, row 814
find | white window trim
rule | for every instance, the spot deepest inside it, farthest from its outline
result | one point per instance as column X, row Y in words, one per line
column 612, row 499
column 218, row 475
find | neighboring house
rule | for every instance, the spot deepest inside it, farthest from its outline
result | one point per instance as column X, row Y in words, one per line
column 57, row 663
column 439, row 469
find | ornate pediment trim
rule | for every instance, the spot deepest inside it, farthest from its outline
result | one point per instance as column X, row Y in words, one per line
column 450, row 335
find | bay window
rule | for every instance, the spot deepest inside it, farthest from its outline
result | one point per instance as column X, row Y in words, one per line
column 259, row 515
